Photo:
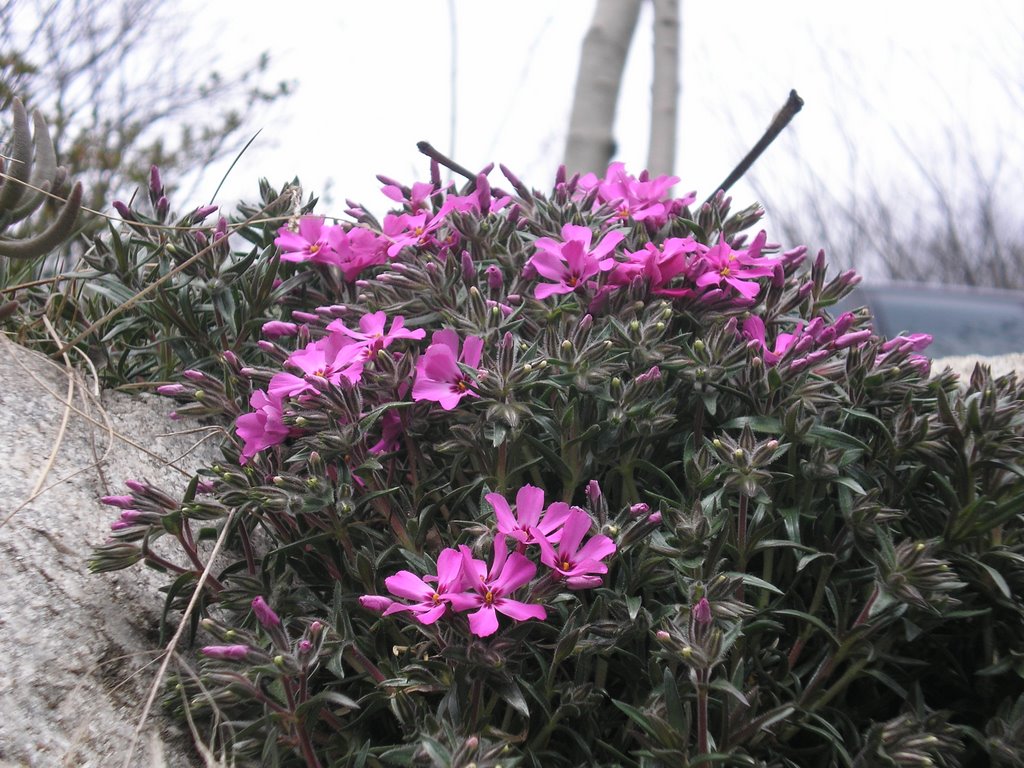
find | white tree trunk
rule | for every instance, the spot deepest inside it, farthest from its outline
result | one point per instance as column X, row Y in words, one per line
column 661, row 157
column 590, row 145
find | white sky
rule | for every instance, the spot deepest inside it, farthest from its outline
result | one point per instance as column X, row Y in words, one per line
column 374, row 78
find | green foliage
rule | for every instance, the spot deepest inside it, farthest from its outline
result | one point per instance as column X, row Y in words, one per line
column 854, row 527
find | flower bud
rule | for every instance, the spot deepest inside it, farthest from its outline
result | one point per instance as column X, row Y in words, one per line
column 123, row 211
column 124, row 502
column 264, row 613
column 640, row 508
column 701, row 611
column 275, row 329
column 495, row 279
column 225, row 651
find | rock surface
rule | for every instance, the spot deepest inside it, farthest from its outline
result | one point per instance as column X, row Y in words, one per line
column 80, row 649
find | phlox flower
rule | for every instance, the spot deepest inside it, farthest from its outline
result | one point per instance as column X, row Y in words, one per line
column 571, row 263
column 675, row 258
column 431, row 599
column 737, row 269
column 371, row 336
column 479, row 202
column 358, row 249
column 263, row 427
column 488, row 590
column 754, row 331
column 314, row 241
column 411, row 229
column 632, row 198
column 419, row 195
column 530, row 518
column 578, row 565
column 391, row 431
column 438, row 375
column 330, row 358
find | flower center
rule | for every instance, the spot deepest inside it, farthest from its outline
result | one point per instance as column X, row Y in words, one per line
column 314, row 249
column 566, row 565
column 436, row 598
column 460, row 386
column 489, row 597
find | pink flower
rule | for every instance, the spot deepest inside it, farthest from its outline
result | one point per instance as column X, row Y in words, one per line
column 660, row 265
column 263, row 427
column 438, row 375
column 371, row 335
column 490, row 590
column 633, row 198
column 571, row 263
column 418, row 197
column 576, row 564
column 754, row 331
column 314, row 241
column 480, row 202
column 737, row 269
column 329, row 358
column 528, row 520
column 431, row 599
column 358, row 249
column 411, row 229
column 391, row 431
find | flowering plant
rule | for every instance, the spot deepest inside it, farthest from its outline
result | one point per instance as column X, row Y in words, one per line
column 582, row 478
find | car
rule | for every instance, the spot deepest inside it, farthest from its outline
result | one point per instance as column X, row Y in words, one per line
column 962, row 320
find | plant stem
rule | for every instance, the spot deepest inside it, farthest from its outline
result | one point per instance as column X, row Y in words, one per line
column 702, row 711
column 741, row 543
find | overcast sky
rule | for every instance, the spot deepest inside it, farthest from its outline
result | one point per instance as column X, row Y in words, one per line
column 895, row 82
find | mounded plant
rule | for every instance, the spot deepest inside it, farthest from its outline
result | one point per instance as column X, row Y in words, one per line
column 588, row 477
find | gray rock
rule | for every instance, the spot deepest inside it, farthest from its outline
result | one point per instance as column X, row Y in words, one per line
column 80, row 649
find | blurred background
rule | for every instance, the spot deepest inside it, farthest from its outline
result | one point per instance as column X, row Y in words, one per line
column 905, row 162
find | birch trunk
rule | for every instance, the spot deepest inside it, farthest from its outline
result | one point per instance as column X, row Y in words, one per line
column 591, row 144
column 661, row 156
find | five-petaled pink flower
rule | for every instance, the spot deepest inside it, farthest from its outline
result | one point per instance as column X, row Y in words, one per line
column 754, row 331
column 528, row 520
column 431, row 598
column 578, row 565
column 314, row 241
column 329, row 359
column 488, row 591
column 438, row 375
column 371, row 335
column 738, row 269
column 263, row 427
column 634, row 198
column 572, row 263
